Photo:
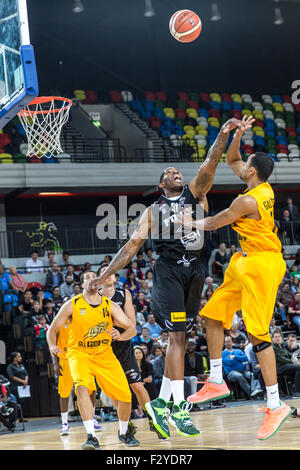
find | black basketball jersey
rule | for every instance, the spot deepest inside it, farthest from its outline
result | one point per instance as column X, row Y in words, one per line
column 170, row 241
column 119, row 298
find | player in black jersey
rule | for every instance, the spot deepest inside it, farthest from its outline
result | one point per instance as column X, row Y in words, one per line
column 178, row 275
column 124, row 352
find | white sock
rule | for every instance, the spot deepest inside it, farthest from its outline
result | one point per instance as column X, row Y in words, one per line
column 64, row 417
column 89, row 427
column 177, row 387
column 123, row 427
column 273, row 397
column 165, row 389
column 216, row 374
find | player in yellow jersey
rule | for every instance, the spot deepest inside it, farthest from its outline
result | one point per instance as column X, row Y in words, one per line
column 90, row 355
column 251, row 280
column 65, row 381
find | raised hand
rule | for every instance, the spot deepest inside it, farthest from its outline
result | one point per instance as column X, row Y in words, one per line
column 244, row 125
column 231, row 124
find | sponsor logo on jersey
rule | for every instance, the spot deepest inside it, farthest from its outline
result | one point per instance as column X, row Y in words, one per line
column 82, row 311
column 178, row 316
column 96, row 330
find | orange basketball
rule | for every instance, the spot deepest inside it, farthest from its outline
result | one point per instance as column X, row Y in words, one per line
column 185, row 26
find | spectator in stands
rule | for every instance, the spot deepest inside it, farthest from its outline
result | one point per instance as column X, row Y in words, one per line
column 232, row 251
column 297, row 258
column 118, row 284
column 57, row 298
column 149, row 257
column 209, row 283
column 255, row 367
column 153, row 327
column 133, row 285
column 293, row 210
column 156, row 352
column 145, row 290
column 142, row 305
column 283, row 300
column 150, row 269
column 107, row 259
column 149, row 280
column 138, row 274
column 8, row 407
column 193, row 367
column 141, row 263
column 294, row 272
column 294, row 311
column 201, row 344
column 239, row 339
column 164, row 338
column 234, row 361
column 41, row 297
column 27, row 303
column 284, row 363
column 273, row 326
column 291, row 344
column 145, row 338
column 77, row 290
column 18, row 282
column 34, row 264
column 295, row 286
column 5, row 280
column 67, row 287
column 208, row 293
column 54, row 278
column 49, row 311
column 17, row 374
column 221, row 259
column 146, row 370
column 35, row 311
column 50, row 259
column 140, row 320
column 238, row 319
column 286, row 227
column 65, row 261
column 41, row 329
column 70, row 270
column 159, row 366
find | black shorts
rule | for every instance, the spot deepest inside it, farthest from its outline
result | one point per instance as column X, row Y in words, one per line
column 176, row 293
column 123, row 350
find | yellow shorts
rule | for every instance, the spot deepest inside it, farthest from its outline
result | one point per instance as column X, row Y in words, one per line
column 250, row 283
column 65, row 381
column 105, row 368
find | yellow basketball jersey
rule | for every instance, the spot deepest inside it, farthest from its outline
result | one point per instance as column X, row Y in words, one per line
column 62, row 340
column 259, row 235
column 88, row 329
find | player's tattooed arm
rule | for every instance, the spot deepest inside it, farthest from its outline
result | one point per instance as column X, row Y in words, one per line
column 129, row 250
column 202, row 183
column 234, row 158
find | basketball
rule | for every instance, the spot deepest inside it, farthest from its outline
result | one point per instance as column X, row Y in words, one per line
column 185, row 26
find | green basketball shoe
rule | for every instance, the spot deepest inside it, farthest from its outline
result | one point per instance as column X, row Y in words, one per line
column 181, row 420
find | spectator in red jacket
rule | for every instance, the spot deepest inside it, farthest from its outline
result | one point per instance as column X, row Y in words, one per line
column 294, row 310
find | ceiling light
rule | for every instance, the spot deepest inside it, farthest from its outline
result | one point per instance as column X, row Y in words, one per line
column 215, row 14
column 78, row 6
column 149, row 10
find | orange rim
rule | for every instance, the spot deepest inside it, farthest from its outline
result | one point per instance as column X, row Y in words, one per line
column 46, row 99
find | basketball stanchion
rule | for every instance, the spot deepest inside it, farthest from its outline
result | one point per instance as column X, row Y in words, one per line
column 43, row 120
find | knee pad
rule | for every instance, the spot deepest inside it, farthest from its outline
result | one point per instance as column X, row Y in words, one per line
column 261, row 346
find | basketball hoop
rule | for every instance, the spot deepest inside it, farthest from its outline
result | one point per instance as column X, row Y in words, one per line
column 43, row 120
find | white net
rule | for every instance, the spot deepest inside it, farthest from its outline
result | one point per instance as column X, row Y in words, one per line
column 43, row 120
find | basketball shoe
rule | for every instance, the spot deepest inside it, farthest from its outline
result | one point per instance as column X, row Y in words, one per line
column 92, row 443
column 64, row 429
column 158, row 412
column 209, row 392
column 128, row 439
column 274, row 418
column 181, row 420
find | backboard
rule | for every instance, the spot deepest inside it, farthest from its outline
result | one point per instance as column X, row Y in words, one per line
column 18, row 76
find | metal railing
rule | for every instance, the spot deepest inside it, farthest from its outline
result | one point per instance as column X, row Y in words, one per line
column 88, row 150
column 15, row 244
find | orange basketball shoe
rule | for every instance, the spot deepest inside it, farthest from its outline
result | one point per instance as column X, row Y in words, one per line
column 209, row 392
column 274, row 418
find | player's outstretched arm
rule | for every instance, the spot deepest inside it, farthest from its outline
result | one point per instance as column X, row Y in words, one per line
column 63, row 315
column 234, row 158
column 241, row 206
column 202, row 183
column 122, row 321
column 128, row 251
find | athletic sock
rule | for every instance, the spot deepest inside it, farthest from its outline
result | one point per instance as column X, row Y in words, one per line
column 123, row 427
column 165, row 389
column 216, row 373
column 64, row 417
column 273, row 396
column 177, row 387
column 89, row 427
